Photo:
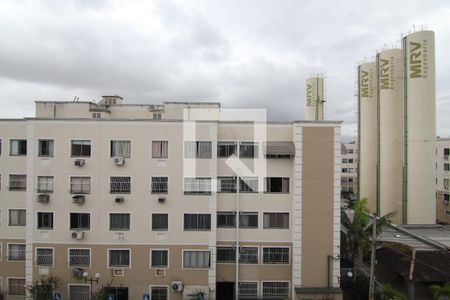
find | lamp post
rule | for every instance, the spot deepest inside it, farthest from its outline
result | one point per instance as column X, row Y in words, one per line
column 91, row 280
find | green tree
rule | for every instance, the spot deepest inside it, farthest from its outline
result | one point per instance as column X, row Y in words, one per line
column 43, row 289
column 389, row 293
column 440, row 292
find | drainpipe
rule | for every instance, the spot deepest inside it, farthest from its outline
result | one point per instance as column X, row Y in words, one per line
column 237, row 238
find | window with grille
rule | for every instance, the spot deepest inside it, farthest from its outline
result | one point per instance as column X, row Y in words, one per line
column 196, row 149
column 446, row 167
column 16, row 286
column 17, row 147
column 197, row 186
column 160, row 149
column 120, row 148
column 119, row 258
column 446, row 183
column 120, row 222
column 16, row 252
column 160, row 222
column 248, row 149
column 79, row 257
column 276, row 220
column 276, row 255
column 45, row 220
column 160, row 258
column 277, row 185
column 226, row 254
column 44, row 257
column 80, row 221
column 80, row 148
column 248, row 184
column 226, row 184
column 159, row 293
column 79, row 292
column 196, row 259
column 80, row 185
column 197, row 222
column 275, row 289
column 120, row 185
column 226, row 149
column 160, row 185
column 17, row 182
column 45, row 148
column 248, row 220
column 17, row 217
column 226, row 219
column 248, row 290
column 45, row 184
column 248, row 255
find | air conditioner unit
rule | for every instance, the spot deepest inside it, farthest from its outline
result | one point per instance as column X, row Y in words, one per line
column 79, row 162
column 119, row 199
column 160, row 272
column 119, row 161
column 78, row 199
column 78, row 273
column 118, row 272
column 78, row 235
column 177, row 286
column 43, row 198
column 161, row 199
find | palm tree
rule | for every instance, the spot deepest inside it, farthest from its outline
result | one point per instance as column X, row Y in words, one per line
column 441, row 292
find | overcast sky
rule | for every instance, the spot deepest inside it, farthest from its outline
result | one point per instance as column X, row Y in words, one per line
column 243, row 53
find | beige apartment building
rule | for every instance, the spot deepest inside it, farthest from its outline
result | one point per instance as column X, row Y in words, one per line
column 146, row 197
column 349, row 177
column 442, row 180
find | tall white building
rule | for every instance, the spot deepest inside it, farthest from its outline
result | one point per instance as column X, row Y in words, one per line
column 443, row 180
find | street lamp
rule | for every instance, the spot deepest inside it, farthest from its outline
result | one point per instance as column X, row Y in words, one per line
column 91, row 280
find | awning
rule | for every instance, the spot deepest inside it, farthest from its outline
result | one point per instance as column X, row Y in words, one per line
column 279, row 148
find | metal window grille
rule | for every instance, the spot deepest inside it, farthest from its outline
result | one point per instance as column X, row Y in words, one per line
column 79, row 257
column 45, row 184
column 44, row 257
column 160, row 185
column 80, row 185
column 248, row 149
column 160, row 149
column 275, row 255
column 196, row 149
column 119, row 258
column 119, row 185
column 81, row 148
column 16, row 286
column 159, row 293
column 18, row 147
column 120, row 148
column 17, row 182
column 16, row 252
column 45, row 148
column 197, row 185
column 226, row 184
column 277, row 185
column 17, row 217
column 226, row 219
column 226, row 254
column 79, row 292
column 276, row 220
column 276, row 289
column 197, row 221
column 248, row 220
column 196, row 259
column 446, row 184
column 80, row 220
column 248, row 255
column 119, row 222
column 45, row 220
column 248, row 184
column 159, row 258
column 248, row 290
column 226, row 149
column 160, row 221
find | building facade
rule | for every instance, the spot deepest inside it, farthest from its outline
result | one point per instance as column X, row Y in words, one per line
column 442, row 180
column 147, row 196
column 349, row 177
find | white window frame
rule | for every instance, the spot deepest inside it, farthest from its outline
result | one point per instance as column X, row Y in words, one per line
column 39, row 148
column 196, row 250
column 9, row 216
column 151, row 148
column 152, row 191
column 80, row 176
column 119, row 140
column 198, row 230
column 118, row 213
column 17, row 190
column 118, row 267
column 264, row 281
column 249, row 281
column 81, row 212
column 45, row 191
column 120, row 192
column 79, row 266
column 159, row 213
column 197, row 185
column 159, row 286
column 8, row 289
column 7, row 252
column 228, row 143
column 276, row 263
column 36, row 256
column 258, row 254
column 77, row 284
column 37, row 220
column 10, row 148
column 84, row 140
column 160, row 249
column 198, row 154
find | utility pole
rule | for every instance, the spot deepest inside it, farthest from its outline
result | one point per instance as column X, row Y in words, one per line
column 372, row 258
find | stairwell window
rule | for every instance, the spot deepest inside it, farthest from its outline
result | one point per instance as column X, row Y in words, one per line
column 119, row 258
column 17, row 182
column 277, row 185
column 80, row 148
column 160, row 185
column 276, row 220
column 121, row 149
column 119, row 222
column 197, row 186
column 160, row 149
column 197, row 222
column 197, row 149
column 45, row 148
column 17, row 147
column 80, row 221
column 80, row 185
column 45, row 184
column 120, row 185
column 248, row 150
column 17, row 217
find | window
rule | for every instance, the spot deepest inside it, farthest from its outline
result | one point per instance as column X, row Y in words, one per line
column 196, row 259
column 79, row 292
column 160, row 149
column 446, row 197
column 446, row 167
column 16, row 286
column 248, row 255
column 119, row 222
column 226, row 149
column 157, row 116
column 248, row 220
column 81, row 148
column 160, row 222
column 248, row 149
column 447, row 151
column 344, row 170
column 96, row 115
column 17, row 147
column 276, row 255
column 160, row 185
column 45, row 148
column 120, row 148
column 197, row 186
column 17, row 182
column 159, row 293
column 226, row 184
column 350, row 151
column 350, row 160
column 446, row 183
column 226, row 254
column 159, row 258
column 80, row 221
column 276, row 220
column 45, row 220
column 195, row 149
column 120, row 185
column 44, row 257
column 277, row 185
column 79, row 257
column 80, row 185
column 226, row 219
column 197, row 222
column 119, row 258
column 248, row 290
column 350, row 170
column 45, row 184
column 344, row 160
column 17, row 217
column 277, row 289
column 248, row 184
column 16, row 252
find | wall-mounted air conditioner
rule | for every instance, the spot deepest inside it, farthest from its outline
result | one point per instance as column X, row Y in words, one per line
column 43, row 198
column 78, row 199
column 118, row 161
column 79, row 162
column 78, row 235
column 119, row 199
column 118, row 272
column 177, row 286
